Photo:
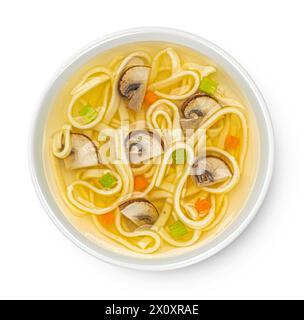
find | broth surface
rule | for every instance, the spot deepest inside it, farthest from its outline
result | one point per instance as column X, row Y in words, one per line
column 225, row 135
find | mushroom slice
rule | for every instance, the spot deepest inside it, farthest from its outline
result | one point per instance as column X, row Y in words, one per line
column 140, row 211
column 133, row 85
column 197, row 108
column 209, row 170
column 190, row 123
column 84, row 152
column 143, row 145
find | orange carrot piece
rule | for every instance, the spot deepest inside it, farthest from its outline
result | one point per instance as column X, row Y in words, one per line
column 150, row 97
column 232, row 142
column 107, row 218
column 140, row 183
column 203, row 206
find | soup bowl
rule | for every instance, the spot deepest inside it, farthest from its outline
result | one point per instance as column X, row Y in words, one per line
column 247, row 87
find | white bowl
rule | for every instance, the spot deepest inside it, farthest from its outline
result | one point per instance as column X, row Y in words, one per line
column 246, row 85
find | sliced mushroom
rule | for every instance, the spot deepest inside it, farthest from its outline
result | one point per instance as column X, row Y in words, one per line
column 190, row 123
column 210, row 170
column 143, row 145
column 197, row 108
column 83, row 154
column 133, row 85
column 140, row 211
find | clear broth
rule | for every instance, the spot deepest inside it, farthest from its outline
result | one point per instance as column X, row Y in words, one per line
column 58, row 177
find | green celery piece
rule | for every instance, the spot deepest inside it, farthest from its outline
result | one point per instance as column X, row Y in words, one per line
column 179, row 156
column 177, row 229
column 208, row 86
column 88, row 113
column 108, row 181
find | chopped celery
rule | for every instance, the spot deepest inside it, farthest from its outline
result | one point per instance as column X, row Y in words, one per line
column 177, row 229
column 208, row 86
column 88, row 113
column 179, row 156
column 108, row 181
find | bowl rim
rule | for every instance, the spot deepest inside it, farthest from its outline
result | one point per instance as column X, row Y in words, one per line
column 144, row 265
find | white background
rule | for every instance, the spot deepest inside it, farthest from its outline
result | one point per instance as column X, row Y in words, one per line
column 37, row 261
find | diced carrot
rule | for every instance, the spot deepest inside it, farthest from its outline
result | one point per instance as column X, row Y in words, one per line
column 150, row 97
column 107, row 218
column 232, row 142
column 203, row 206
column 140, row 183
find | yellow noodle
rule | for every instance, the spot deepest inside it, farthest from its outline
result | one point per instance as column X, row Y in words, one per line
column 203, row 71
column 142, row 169
column 62, row 142
column 174, row 63
column 141, row 233
column 81, row 90
column 150, row 173
column 121, row 240
column 174, row 79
